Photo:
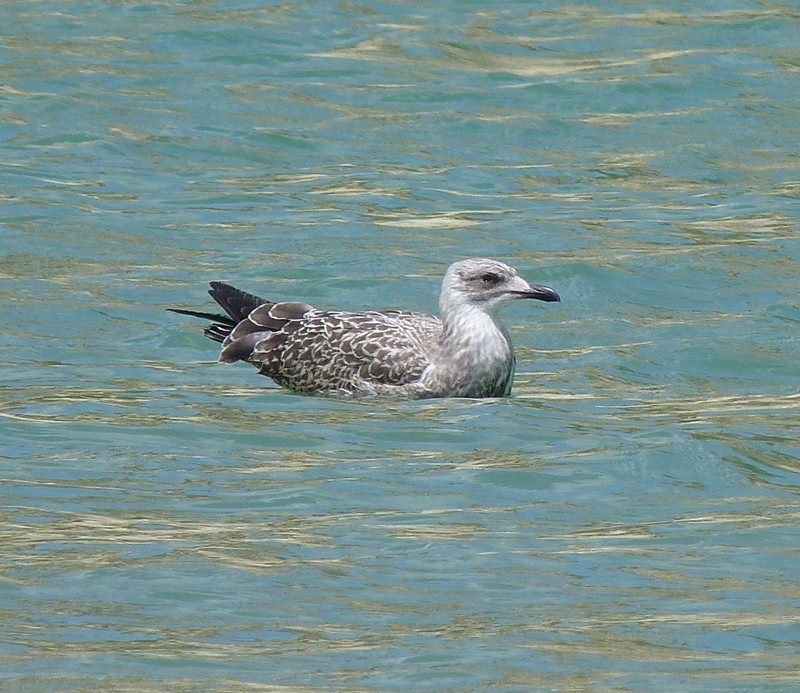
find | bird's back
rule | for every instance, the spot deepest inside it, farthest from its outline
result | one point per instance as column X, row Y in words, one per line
column 310, row 350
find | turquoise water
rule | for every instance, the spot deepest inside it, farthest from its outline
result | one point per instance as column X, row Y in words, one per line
column 628, row 520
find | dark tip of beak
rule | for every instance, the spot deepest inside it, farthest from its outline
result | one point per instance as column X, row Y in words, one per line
column 541, row 293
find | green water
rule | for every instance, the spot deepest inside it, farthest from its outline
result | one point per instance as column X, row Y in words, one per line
column 627, row 520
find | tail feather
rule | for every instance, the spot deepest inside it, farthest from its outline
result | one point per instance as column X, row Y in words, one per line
column 236, row 303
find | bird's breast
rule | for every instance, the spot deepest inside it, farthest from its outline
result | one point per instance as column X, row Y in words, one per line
column 477, row 359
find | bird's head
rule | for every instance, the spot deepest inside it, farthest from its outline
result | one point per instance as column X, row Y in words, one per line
column 487, row 285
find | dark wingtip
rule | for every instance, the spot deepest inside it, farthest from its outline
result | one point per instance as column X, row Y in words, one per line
column 235, row 302
column 219, row 286
column 219, row 329
column 217, row 317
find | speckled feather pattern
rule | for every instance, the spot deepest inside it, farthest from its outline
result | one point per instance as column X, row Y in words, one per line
column 465, row 353
column 347, row 352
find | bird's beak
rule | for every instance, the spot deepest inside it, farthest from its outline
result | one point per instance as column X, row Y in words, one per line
column 541, row 293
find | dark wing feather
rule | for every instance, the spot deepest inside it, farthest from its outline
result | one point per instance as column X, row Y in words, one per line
column 236, row 303
column 264, row 322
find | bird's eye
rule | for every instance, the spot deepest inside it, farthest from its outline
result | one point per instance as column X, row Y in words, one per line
column 490, row 278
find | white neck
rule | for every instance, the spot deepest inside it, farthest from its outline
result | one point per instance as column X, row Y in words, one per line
column 474, row 337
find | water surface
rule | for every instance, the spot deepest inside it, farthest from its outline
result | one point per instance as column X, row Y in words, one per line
column 627, row 520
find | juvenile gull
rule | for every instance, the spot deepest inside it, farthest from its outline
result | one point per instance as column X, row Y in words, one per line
column 465, row 353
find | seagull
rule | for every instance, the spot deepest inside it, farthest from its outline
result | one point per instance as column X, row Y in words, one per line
column 467, row 352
